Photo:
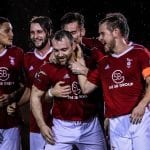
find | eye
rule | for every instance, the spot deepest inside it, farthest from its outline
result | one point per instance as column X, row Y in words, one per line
column 40, row 31
column 64, row 50
column 73, row 32
column 7, row 30
column 55, row 50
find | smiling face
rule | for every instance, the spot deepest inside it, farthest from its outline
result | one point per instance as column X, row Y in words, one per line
column 62, row 50
column 107, row 38
column 38, row 36
column 6, row 34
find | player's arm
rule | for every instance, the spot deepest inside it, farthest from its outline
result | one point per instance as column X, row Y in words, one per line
column 81, row 70
column 36, row 108
column 59, row 90
column 139, row 110
column 11, row 108
column 6, row 99
column 35, row 101
column 25, row 97
column 146, row 99
column 86, row 86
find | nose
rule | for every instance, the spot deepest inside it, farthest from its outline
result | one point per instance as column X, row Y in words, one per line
column 35, row 35
column 100, row 38
column 11, row 33
column 60, row 54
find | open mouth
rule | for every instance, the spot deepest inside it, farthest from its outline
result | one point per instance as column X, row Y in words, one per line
column 61, row 59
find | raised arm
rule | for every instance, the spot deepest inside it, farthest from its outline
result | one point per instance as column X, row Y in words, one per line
column 86, row 86
column 78, row 67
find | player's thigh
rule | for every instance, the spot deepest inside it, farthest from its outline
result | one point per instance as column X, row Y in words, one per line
column 142, row 133
column 58, row 146
column 120, row 143
column 37, row 141
column 91, row 146
column 11, row 139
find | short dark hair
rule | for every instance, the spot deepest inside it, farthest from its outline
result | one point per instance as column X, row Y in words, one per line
column 3, row 19
column 72, row 17
column 116, row 20
column 44, row 21
column 60, row 34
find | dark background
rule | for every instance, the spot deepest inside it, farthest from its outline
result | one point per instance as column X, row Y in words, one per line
column 20, row 12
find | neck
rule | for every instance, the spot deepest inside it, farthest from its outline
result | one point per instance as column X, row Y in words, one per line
column 121, row 46
column 44, row 50
column 1, row 48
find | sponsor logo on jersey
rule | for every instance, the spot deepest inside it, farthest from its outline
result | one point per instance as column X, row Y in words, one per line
column 118, row 78
column 75, row 88
column 76, row 92
column 4, row 75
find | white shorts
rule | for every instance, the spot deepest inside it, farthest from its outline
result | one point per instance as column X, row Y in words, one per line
column 127, row 136
column 10, row 139
column 37, row 141
column 85, row 135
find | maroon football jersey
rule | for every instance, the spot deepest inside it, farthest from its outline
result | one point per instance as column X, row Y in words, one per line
column 93, row 43
column 77, row 106
column 96, row 48
column 93, row 51
column 11, row 63
column 122, row 80
column 32, row 63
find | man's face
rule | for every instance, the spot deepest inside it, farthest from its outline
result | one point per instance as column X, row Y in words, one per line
column 62, row 50
column 6, row 34
column 76, row 30
column 38, row 36
column 107, row 38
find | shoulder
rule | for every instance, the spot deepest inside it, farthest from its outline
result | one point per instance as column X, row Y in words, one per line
column 47, row 66
column 16, row 52
column 15, row 48
column 28, row 54
column 140, row 49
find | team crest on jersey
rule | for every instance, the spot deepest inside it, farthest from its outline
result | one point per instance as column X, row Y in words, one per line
column 129, row 62
column 12, row 60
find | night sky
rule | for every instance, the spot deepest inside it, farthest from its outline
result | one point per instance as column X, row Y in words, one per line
column 21, row 11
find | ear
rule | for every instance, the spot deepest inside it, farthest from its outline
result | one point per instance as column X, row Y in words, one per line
column 116, row 32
